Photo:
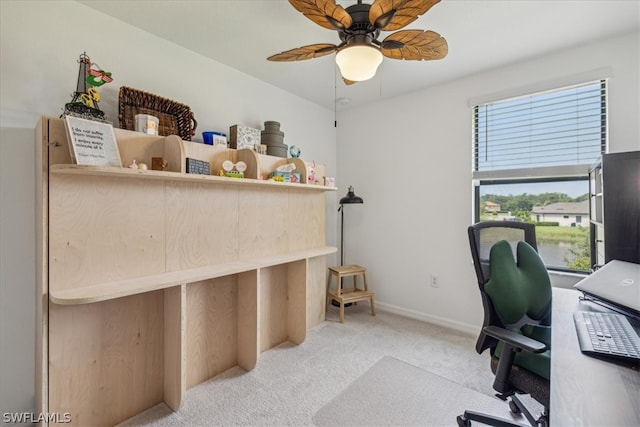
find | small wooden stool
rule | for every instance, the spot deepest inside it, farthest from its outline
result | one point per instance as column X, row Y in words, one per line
column 349, row 295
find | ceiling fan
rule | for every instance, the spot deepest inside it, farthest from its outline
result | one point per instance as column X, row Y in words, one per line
column 358, row 26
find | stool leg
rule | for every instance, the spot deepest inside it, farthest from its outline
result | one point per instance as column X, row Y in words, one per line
column 355, row 286
column 341, row 312
column 366, row 288
column 328, row 288
column 326, row 302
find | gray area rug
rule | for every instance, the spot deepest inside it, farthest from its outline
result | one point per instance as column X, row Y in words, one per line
column 395, row 393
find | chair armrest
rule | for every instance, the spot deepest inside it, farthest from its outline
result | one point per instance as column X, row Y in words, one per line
column 516, row 341
column 512, row 344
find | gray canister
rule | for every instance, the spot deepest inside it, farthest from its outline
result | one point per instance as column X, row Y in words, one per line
column 273, row 138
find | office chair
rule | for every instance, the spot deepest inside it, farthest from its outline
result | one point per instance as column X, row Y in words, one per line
column 516, row 295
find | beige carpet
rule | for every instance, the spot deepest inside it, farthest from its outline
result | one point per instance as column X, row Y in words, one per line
column 395, row 393
column 292, row 383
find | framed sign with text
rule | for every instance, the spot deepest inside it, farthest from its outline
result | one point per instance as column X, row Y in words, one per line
column 92, row 143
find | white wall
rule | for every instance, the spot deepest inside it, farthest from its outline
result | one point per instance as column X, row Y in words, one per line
column 17, row 270
column 41, row 42
column 410, row 159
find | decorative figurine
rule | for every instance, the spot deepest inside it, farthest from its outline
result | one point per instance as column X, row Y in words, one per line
column 133, row 165
column 311, row 173
column 84, row 102
column 158, row 163
column 234, row 170
column 294, row 151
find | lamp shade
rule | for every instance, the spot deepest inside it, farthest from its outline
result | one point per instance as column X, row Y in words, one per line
column 351, row 197
column 358, row 62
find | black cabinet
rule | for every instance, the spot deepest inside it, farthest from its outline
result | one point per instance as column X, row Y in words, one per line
column 614, row 191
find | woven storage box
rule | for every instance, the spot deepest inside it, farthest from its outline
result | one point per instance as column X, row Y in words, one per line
column 175, row 118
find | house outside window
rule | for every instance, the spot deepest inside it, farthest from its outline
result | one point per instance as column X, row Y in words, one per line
column 531, row 158
column 566, row 214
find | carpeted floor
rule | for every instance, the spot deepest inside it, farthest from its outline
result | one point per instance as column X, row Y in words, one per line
column 290, row 384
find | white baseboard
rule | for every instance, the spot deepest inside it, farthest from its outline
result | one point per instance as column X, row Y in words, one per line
column 472, row 330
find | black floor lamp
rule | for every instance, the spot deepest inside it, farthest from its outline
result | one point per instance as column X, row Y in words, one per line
column 350, row 198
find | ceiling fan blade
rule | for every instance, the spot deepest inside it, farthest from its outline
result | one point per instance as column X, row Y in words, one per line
column 305, row 52
column 391, row 15
column 325, row 13
column 415, row 45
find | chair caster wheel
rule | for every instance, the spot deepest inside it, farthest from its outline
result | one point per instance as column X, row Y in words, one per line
column 543, row 421
column 462, row 421
column 514, row 408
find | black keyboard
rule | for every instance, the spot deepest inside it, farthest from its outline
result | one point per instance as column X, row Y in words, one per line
column 607, row 334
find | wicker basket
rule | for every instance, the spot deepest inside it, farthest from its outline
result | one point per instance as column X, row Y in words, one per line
column 175, row 118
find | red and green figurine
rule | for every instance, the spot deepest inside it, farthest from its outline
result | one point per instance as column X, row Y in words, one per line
column 84, row 102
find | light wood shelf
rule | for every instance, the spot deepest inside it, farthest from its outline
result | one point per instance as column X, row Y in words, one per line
column 137, row 285
column 67, row 169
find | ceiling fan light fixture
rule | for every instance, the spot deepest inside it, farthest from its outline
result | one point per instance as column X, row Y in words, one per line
column 358, row 62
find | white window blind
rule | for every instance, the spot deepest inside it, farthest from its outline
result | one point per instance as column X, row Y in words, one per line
column 559, row 128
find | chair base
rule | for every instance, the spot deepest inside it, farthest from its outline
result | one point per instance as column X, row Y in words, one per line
column 515, row 405
column 468, row 416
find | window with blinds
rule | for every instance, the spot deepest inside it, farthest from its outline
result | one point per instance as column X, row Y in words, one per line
column 564, row 127
column 531, row 157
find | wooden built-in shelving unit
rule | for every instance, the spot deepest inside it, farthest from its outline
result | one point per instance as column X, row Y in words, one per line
column 151, row 282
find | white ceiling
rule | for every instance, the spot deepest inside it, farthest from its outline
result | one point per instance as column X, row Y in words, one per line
column 482, row 34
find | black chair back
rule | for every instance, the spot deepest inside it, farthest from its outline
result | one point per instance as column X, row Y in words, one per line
column 482, row 236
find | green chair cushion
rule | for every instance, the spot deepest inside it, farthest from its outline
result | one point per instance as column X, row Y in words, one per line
column 519, row 289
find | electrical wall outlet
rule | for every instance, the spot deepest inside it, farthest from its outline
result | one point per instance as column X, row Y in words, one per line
column 433, row 281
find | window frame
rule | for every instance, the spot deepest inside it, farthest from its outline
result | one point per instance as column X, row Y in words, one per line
column 539, row 174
